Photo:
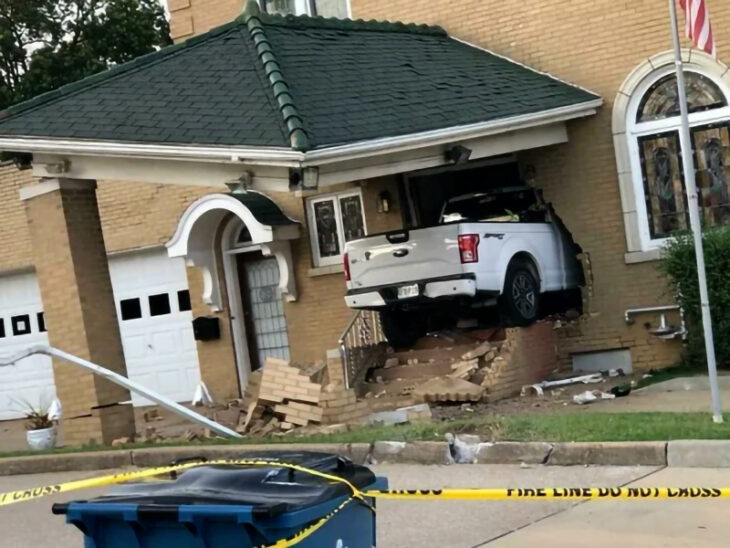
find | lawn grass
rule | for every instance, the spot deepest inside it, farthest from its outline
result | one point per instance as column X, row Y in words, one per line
column 561, row 427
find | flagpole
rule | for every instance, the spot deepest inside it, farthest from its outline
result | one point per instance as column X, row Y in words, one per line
column 694, row 218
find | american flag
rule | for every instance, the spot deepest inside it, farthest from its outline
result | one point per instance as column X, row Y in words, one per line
column 697, row 25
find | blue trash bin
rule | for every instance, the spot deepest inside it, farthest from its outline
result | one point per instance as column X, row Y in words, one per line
column 227, row 506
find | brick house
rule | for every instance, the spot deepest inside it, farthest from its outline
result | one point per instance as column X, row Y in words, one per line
column 125, row 231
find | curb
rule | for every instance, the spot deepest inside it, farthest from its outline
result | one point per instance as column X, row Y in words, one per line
column 679, row 453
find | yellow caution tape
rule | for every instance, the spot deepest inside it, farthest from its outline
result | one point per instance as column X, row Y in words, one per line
column 12, row 497
column 539, row 493
column 564, row 493
column 309, row 530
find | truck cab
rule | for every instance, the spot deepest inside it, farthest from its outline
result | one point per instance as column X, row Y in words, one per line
column 504, row 248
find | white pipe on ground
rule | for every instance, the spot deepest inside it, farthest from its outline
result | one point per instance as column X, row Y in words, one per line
column 125, row 382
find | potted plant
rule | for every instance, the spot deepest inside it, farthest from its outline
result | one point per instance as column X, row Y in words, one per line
column 40, row 429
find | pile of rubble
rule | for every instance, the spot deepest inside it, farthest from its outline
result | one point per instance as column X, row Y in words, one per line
column 282, row 397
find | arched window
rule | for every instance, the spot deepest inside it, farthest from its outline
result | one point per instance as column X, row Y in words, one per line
column 655, row 147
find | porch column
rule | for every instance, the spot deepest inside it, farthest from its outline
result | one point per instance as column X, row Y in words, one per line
column 80, row 315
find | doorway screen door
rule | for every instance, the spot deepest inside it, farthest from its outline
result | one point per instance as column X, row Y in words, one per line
column 266, row 310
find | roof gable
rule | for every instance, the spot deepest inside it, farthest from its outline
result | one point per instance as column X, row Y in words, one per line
column 294, row 82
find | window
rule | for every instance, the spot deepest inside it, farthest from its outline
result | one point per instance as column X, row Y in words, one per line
column 655, row 146
column 333, row 221
column 159, row 304
column 324, row 8
column 183, row 300
column 21, row 324
column 130, row 309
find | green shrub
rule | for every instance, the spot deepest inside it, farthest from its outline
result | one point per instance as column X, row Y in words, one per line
column 681, row 268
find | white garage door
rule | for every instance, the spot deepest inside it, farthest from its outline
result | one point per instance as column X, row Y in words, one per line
column 153, row 306
column 21, row 325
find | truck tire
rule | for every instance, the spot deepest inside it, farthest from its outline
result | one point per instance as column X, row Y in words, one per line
column 403, row 329
column 519, row 303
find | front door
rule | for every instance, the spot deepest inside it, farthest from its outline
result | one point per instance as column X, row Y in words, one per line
column 263, row 308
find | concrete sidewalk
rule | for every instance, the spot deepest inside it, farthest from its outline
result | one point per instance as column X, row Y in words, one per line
column 645, row 523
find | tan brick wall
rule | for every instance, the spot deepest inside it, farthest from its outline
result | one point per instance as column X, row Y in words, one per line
column 132, row 214
column 528, row 355
column 73, row 274
column 189, row 17
column 595, row 44
column 14, row 236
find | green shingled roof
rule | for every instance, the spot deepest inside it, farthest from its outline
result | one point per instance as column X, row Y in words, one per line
column 296, row 82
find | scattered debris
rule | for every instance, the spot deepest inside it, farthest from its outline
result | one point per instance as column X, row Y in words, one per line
column 54, row 410
column 477, row 352
column 539, row 387
column 411, row 413
column 449, row 389
column 121, row 441
column 201, row 396
column 460, row 451
column 589, row 396
column 621, row 390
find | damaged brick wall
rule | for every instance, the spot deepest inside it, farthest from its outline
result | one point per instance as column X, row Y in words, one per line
column 593, row 44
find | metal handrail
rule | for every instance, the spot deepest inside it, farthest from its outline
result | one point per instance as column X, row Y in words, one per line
column 121, row 380
column 362, row 331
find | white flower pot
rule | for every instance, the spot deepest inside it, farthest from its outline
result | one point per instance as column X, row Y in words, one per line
column 41, row 440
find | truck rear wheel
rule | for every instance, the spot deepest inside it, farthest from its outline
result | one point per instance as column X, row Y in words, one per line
column 519, row 303
column 403, row 329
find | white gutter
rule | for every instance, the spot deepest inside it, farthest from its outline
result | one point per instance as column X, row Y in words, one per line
column 291, row 158
column 451, row 134
column 262, row 155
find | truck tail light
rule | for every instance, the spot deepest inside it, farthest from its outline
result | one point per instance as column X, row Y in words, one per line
column 469, row 248
column 346, row 263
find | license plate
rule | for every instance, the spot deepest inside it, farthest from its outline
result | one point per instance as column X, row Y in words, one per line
column 408, row 291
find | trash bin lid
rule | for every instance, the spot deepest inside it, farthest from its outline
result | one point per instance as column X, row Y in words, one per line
column 251, row 485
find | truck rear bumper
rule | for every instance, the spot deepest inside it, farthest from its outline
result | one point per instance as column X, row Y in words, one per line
column 428, row 290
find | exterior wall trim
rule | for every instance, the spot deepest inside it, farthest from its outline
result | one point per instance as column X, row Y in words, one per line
column 194, row 239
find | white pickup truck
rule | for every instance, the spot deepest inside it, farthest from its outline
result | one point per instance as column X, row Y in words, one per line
column 503, row 247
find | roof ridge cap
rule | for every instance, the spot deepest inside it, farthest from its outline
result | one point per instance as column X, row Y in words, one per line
column 293, row 120
column 335, row 23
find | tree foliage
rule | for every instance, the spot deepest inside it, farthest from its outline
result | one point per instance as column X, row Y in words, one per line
column 45, row 44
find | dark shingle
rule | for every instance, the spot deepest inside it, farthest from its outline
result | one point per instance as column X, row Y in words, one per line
column 294, row 81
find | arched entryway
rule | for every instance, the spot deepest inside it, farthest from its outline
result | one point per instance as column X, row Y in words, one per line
column 243, row 237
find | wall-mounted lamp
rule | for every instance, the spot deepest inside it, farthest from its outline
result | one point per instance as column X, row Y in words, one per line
column 458, row 154
column 384, row 200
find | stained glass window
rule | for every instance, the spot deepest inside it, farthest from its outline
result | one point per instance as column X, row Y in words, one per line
column 712, row 159
column 326, row 227
column 661, row 99
column 353, row 226
column 333, row 221
column 663, row 187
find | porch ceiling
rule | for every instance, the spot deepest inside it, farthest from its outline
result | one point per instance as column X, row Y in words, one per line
column 293, row 84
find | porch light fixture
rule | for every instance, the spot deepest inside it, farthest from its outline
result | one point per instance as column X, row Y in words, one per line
column 383, row 203
column 458, row 154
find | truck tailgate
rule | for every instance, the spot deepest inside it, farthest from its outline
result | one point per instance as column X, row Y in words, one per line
column 404, row 256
